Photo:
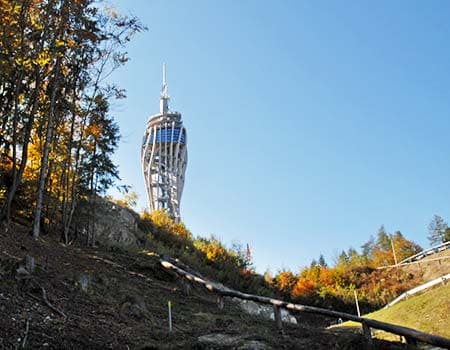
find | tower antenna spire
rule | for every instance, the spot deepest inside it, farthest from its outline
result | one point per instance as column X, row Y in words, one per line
column 164, row 99
column 164, row 75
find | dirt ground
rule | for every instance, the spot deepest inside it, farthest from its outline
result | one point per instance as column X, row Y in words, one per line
column 94, row 298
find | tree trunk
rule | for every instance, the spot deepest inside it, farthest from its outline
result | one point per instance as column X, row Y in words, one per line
column 68, row 197
column 49, row 132
column 6, row 208
column 44, row 162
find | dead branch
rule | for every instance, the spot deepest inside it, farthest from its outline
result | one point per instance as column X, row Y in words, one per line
column 33, row 296
column 25, row 337
column 55, row 309
column 11, row 256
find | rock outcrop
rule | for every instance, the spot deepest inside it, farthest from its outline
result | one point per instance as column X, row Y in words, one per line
column 113, row 224
column 226, row 341
column 264, row 311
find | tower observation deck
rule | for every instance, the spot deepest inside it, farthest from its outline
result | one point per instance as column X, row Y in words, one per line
column 164, row 157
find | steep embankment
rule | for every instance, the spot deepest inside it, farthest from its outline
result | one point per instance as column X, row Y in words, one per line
column 431, row 267
column 428, row 312
column 93, row 298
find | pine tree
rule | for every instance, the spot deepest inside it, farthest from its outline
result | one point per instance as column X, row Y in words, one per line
column 367, row 248
column 383, row 240
column 322, row 261
column 342, row 259
column 447, row 235
column 436, row 230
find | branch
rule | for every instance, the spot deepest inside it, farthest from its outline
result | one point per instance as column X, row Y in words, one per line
column 25, row 337
column 58, row 311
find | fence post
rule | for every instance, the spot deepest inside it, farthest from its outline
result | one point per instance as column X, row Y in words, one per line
column 367, row 333
column 357, row 304
column 219, row 301
column 411, row 343
column 185, row 286
column 277, row 314
column 169, row 305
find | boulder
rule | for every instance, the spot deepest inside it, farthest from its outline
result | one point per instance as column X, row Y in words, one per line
column 226, row 341
column 84, row 282
column 134, row 306
column 264, row 311
column 218, row 340
column 254, row 345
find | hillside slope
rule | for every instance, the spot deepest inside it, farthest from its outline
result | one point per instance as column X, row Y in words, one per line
column 431, row 267
column 94, row 298
column 428, row 312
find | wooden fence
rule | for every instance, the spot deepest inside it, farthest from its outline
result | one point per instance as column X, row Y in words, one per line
column 411, row 336
column 424, row 253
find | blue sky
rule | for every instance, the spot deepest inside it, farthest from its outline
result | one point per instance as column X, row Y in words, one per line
column 310, row 123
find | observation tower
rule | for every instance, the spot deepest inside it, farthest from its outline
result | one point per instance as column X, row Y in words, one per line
column 164, row 157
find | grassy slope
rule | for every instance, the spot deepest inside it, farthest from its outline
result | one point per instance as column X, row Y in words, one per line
column 428, row 312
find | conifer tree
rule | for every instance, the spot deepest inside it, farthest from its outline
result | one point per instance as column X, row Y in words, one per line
column 436, row 230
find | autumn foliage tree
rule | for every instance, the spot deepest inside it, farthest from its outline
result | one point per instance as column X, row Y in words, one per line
column 333, row 286
column 56, row 131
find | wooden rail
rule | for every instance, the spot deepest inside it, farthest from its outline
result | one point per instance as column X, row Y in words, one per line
column 411, row 335
column 443, row 280
column 415, row 262
column 424, row 253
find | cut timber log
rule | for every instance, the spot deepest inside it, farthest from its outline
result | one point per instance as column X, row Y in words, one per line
column 388, row 327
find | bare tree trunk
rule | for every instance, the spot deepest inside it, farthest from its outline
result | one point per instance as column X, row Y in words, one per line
column 69, row 188
column 19, row 87
column 44, row 163
column 14, row 125
column 49, row 131
column 73, row 193
column 5, row 212
column 4, row 115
